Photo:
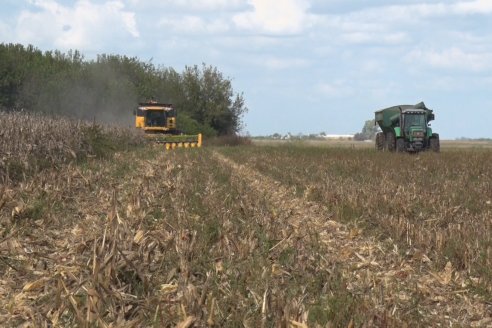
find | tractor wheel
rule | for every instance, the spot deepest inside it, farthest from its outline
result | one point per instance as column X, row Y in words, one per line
column 400, row 145
column 434, row 143
column 380, row 141
column 391, row 141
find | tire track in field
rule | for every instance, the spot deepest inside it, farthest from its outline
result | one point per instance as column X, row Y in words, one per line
column 390, row 282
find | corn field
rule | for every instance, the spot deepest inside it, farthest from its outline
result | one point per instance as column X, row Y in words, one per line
column 31, row 142
column 248, row 236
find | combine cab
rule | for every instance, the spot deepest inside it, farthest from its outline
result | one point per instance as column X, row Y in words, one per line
column 158, row 121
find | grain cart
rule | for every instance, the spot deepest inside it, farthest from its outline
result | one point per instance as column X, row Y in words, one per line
column 406, row 128
column 158, row 121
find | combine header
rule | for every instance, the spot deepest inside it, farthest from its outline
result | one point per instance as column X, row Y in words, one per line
column 158, row 121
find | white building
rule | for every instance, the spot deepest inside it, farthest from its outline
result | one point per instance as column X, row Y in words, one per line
column 339, row 136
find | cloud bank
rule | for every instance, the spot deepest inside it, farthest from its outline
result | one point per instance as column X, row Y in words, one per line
column 322, row 56
column 84, row 25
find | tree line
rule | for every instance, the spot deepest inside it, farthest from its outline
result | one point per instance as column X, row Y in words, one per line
column 368, row 132
column 109, row 87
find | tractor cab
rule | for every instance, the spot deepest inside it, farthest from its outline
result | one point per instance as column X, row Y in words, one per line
column 414, row 123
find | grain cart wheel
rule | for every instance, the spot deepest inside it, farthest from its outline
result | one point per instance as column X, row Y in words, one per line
column 380, row 141
column 391, row 141
column 434, row 143
column 400, row 145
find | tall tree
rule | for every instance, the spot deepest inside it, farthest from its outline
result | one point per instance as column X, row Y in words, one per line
column 368, row 132
column 108, row 87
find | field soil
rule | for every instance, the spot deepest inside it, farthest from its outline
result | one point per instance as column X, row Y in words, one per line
column 270, row 236
column 390, row 281
column 449, row 145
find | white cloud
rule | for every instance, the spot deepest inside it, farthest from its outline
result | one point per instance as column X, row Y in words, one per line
column 194, row 24
column 473, row 7
column 375, row 38
column 414, row 12
column 5, row 32
column 86, row 25
column 277, row 63
column 205, row 5
column 271, row 16
column 393, row 24
column 370, row 67
column 453, row 58
column 336, row 89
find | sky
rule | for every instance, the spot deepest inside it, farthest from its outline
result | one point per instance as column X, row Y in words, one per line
column 303, row 66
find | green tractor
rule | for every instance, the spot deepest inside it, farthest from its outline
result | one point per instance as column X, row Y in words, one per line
column 406, row 128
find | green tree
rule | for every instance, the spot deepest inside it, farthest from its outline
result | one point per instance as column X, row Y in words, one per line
column 209, row 99
column 368, row 132
column 109, row 87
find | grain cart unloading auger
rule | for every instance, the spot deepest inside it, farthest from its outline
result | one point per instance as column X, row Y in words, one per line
column 158, row 121
column 406, row 128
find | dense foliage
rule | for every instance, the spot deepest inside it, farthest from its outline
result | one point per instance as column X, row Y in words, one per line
column 368, row 132
column 109, row 87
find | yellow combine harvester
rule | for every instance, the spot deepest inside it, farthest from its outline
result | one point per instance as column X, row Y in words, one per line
column 159, row 124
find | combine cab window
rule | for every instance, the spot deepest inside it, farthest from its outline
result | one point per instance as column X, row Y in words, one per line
column 155, row 118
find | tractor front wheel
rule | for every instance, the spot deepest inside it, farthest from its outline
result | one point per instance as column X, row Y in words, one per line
column 434, row 143
column 380, row 141
column 391, row 141
column 400, row 145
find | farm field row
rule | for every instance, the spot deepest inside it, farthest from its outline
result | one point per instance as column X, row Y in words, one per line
column 439, row 203
column 448, row 145
column 432, row 208
column 250, row 236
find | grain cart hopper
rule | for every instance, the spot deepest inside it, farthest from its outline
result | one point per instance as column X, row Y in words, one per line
column 158, row 121
column 406, row 128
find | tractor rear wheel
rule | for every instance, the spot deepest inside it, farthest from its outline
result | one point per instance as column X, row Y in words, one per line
column 391, row 141
column 434, row 143
column 400, row 145
column 380, row 141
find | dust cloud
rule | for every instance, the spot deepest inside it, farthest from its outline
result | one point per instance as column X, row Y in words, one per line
column 97, row 93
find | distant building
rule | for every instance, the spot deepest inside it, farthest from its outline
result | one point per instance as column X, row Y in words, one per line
column 288, row 136
column 339, row 136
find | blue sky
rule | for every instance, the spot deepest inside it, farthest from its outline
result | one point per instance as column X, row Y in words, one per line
column 303, row 65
